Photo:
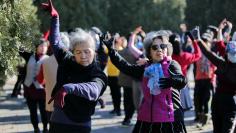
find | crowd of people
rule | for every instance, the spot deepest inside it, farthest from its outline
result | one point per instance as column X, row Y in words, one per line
column 68, row 72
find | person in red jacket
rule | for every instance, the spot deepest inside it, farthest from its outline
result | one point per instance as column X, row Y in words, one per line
column 204, row 83
column 185, row 59
column 220, row 44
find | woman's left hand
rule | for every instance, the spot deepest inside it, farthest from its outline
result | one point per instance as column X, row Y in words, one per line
column 59, row 98
column 165, row 83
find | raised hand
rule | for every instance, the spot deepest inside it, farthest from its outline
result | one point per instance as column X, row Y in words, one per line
column 107, row 40
column 45, row 6
column 49, row 7
column 198, row 33
column 194, row 34
column 230, row 25
column 222, row 24
column 138, row 30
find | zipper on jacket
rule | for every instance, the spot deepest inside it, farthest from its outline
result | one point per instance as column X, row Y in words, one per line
column 152, row 106
column 168, row 108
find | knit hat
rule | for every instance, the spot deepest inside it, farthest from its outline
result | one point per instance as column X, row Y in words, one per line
column 149, row 40
column 231, row 47
column 166, row 33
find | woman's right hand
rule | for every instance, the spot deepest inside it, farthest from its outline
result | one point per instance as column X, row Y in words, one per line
column 222, row 24
column 138, row 30
column 108, row 42
column 49, row 7
column 194, row 34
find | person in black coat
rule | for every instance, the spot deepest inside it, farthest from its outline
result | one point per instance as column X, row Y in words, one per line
column 80, row 81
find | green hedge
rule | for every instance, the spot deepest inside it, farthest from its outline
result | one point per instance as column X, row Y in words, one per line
column 19, row 26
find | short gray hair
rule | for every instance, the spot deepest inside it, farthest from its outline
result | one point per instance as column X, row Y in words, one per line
column 65, row 39
column 81, row 37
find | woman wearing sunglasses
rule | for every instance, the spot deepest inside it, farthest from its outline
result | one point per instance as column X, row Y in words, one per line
column 159, row 75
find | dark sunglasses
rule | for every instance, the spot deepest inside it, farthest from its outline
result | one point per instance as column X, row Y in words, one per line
column 161, row 46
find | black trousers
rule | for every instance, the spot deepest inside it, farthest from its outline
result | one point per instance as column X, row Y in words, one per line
column 32, row 105
column 165, row 127
column 17, row 86
column 202, row 94
column 223, row 113
column 49, row 117
column 115, row 92
column 49, row 113
column 128, row 103
column 179, row 126
column 63, row 128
